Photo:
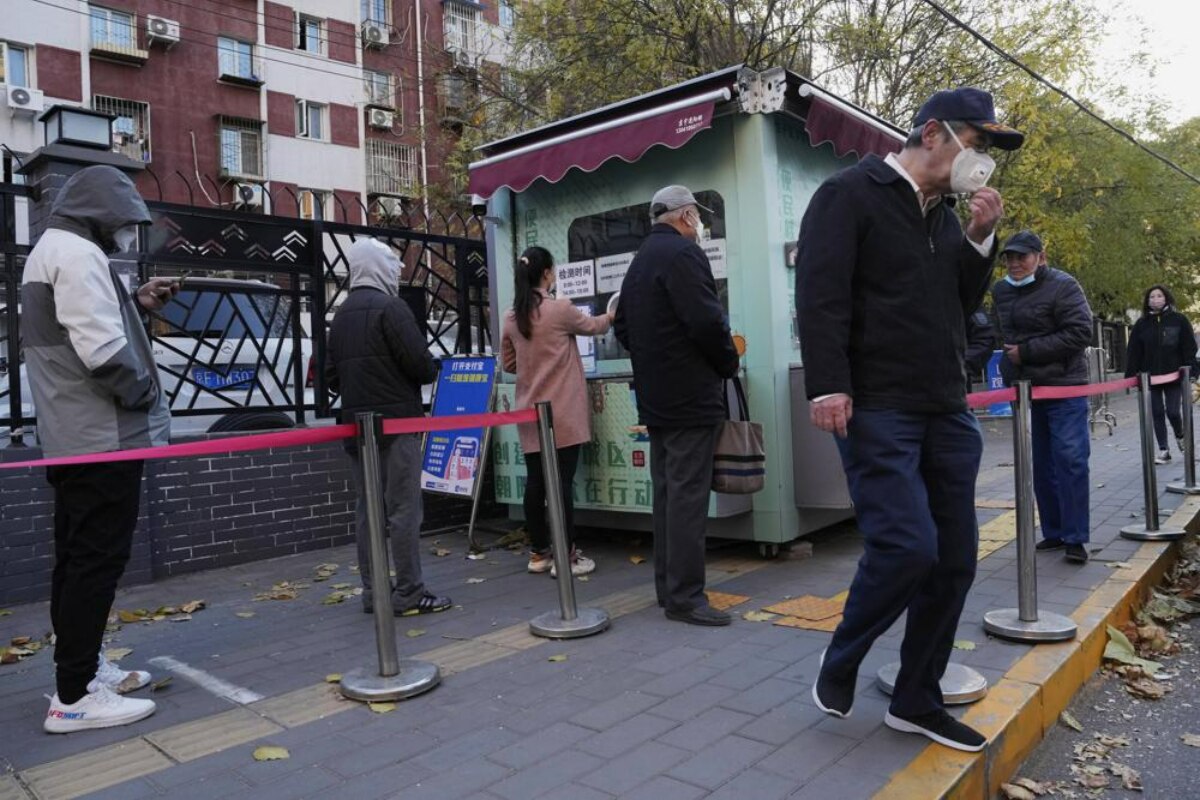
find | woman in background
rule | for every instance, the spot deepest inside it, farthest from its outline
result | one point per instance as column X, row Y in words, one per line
column 538, row 344
column 1160, row 343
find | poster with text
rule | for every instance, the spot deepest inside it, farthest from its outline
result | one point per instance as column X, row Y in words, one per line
column 610, row 272
column 575, row 279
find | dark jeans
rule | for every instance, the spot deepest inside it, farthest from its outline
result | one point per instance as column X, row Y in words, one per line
column 912, row 479
column 400, row 462
column 1061, row 446
column 536, row 516
column 681, row 463
column 1166, row 402
column 95, row 513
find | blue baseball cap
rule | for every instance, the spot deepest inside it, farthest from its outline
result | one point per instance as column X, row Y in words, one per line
column 1023, row 242
column 973, row 106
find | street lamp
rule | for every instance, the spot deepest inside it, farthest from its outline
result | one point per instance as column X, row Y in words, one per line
column 78, row 126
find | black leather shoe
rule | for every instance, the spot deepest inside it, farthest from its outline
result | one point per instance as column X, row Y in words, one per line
column 1049, row 544
column 703, row 615
column 1076, row 554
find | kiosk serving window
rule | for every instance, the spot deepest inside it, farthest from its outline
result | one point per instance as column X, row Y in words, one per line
column 600, row 248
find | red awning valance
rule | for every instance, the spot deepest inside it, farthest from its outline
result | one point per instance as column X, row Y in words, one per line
column 627, row 138
column 846, row 131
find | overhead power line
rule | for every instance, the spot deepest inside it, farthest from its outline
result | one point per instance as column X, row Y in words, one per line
column 995, row 48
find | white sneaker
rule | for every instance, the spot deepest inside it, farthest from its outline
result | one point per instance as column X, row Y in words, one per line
column 118, row 679
column 1164, row 457
column 580, row 565
column 99, row 708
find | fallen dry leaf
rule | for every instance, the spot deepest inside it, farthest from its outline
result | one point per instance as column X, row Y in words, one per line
column 1130, row 778
column 637, row 559
column 117, row 653
column 964, row 644
column 477, row 556
column 244, row 614
column 333, row 677
column 1146, row 688
column 413, row 633
column 476, row 580
column 1120, row 649
column 180, row 618
column 21, row 641
column 269, row 753
column 158, row 686
column 758, row 616
column 1039, row 788
column 1014, row 792
column 4, row 612
column 440, row 552
column 1068, row 719
column 192, row 607
column 381, row 708
column 558, row 658
column 1190, row 739
column 1108, row 740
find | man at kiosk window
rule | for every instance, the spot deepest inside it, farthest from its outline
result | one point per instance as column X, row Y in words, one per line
column 885, row 278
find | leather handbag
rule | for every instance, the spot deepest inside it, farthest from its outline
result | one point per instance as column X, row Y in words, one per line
column 739, row 459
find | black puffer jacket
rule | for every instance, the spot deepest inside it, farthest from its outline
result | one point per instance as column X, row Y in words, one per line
column 1051, row 321
column 378, row 357
column 1160, row 343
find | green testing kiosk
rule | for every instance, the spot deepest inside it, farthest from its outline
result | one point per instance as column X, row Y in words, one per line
column 752, row 146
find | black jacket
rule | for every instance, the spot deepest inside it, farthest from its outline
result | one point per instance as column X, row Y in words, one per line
column 882, row 292
column 378, row 357
column 981, row 343
column 1051, row 321
column 672, row 323
column 1160, row 343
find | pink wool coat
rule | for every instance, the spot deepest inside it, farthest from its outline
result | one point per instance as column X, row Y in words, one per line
column 548, row 367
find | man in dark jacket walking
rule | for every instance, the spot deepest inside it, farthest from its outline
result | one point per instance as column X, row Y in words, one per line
column 1160, row 343
column 1046, row 326
column 378, row 361
column 677, row 334
column 884, row 280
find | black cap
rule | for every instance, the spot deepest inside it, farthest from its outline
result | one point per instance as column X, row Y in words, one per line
column 1022, row 242
column 973, row 106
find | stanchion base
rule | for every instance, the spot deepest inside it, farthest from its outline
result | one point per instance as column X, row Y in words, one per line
column 960, row 684
column 587, row 621
column 1006, row 623
column 1140, row 534
column 1183, row 488
column 368, row 685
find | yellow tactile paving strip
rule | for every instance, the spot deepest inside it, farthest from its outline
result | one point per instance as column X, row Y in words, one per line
column 723, row 602
column 134, row 758
column 809, row 607
column 829, row 624
column 1025, row 703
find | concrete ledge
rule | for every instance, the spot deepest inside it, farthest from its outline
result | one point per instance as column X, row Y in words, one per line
column 1021, row 707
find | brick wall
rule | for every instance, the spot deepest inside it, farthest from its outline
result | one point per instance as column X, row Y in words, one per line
column 201, row 514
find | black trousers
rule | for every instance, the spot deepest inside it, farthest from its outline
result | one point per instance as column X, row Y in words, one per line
column 95, row 513
column 1166, row 403
column 536, row 521
column 681, row 463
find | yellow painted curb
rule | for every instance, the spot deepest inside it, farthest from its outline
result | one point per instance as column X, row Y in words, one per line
column 1026, row 702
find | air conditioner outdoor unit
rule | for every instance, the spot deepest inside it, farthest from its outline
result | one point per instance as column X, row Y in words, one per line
column 378, row 118
column 22, row 98
column 463, row 58
column 247, row 195
column 374, row 34
column 161, row 29
column 390, row 206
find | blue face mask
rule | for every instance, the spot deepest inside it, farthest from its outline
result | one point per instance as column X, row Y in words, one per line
column 1028, row 279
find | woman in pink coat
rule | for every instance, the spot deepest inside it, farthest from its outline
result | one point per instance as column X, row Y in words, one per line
column 538, row 344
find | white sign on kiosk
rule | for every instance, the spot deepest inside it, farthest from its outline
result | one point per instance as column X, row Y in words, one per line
column 610, row 272
column 575, row 279
column 715, row 250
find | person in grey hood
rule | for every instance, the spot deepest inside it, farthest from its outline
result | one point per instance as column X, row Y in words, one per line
column 378, row 361
column 96, row 389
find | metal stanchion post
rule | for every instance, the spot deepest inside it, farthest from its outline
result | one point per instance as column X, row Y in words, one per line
column 960, row 684
column 1026, row 623
column 1150, row 531
column 1189, row 442
column 395, row 679
column 569, row 622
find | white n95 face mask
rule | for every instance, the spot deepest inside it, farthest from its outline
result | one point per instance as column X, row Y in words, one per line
column 125, row 239
column 971, row 169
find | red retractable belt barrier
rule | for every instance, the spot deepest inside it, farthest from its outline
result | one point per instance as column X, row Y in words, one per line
column 268, row 441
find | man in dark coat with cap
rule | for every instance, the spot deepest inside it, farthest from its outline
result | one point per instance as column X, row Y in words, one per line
column 677, row 334
column 885, row 278
column 1046, row 326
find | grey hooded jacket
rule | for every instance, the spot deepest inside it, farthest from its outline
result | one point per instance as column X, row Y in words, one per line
column 91, row 368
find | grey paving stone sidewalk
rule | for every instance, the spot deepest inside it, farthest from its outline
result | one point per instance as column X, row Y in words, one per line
column 649, row 709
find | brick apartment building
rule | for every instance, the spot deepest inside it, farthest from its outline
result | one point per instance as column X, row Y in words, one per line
column 331, row 105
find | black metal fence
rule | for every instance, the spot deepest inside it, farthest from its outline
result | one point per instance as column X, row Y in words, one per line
column 242, row 345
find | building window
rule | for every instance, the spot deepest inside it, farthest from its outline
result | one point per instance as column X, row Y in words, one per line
column 236, row 59
column 461, row 27
column 391, row 168
column 313, row 203
column 309, row 34
column 508, row 14
column 374, row 11
column 310, row 120
column 111, row 28
column 14, row 65
column 378, row 87
column 241, row 147
column 131, row 128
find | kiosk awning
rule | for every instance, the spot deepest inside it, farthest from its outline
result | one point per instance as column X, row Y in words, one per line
column 845, row 127
column 627, row 138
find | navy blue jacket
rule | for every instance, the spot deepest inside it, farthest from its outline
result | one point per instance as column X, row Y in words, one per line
column 882, row 293
column 670, row 320
column 1051, row 321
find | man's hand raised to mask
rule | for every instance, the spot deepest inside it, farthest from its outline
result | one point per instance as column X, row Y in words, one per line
column 832, row 414
column 986, row 210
